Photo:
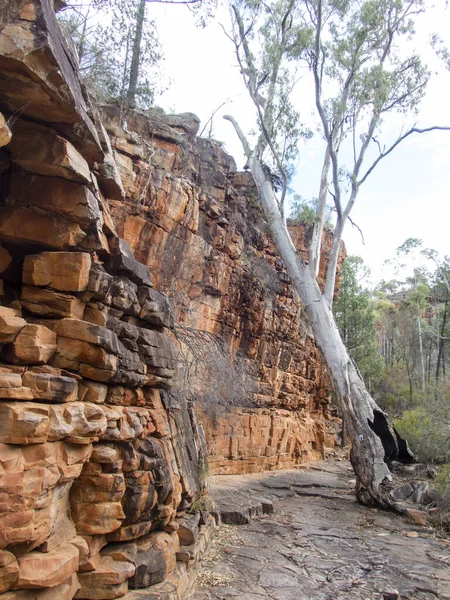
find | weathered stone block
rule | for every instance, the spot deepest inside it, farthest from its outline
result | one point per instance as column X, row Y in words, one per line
column 110, row 572
column 188, row 529
column 155, row 559
column 76, row 422
column 23, row 423
column 24, row 225
column 34, row 345
column 40, row 150
column 69, row 199
column 105, row 454
column 51, row 387
column 11, row 323
column 104, row 593
column 71, row 353
column 96, row 519
column 48, row 303
column 155, row 308
column 16, row 393
column 87, row 332
column 41, row 570
column 9, row 379
column 97, row 374
column 63, row 591
column 130, row 532
column 92, row 391
column 122, row 262
column 123, row 396
column 9, row 570
column 62, row 271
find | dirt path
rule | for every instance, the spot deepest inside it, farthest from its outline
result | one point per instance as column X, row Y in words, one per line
column 319, row 543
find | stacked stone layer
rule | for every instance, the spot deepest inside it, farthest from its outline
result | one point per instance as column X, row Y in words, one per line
column 99, row 460
column 196, row 223
column 98, row 465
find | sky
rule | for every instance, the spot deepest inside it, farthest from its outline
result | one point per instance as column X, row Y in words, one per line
column 408, row 195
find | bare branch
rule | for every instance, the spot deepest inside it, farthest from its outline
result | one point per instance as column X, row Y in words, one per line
column 240, row 135
column 358, row 228
column 396, row 143
column 213, row 114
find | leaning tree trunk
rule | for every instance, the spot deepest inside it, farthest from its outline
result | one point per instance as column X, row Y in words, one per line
column 361, row 413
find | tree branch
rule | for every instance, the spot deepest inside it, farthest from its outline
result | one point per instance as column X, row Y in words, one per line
column 396, row 143
column 240, row 134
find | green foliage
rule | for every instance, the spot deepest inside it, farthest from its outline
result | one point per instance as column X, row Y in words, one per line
column 427, row 434
column 302, row 211
column 103, row 33
column 305, row 211
column 414, row 332
column 355, row 318
column 442, row 479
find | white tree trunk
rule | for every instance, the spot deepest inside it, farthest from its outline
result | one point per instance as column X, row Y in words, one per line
column 367, row 454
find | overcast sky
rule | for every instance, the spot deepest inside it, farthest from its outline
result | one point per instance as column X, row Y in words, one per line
column 409, row 193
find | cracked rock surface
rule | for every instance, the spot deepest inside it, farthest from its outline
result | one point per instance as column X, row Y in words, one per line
column 317, row 543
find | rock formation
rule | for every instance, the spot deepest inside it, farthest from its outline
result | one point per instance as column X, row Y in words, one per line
column 97, row 463
column 195, row 222
column 99, row 458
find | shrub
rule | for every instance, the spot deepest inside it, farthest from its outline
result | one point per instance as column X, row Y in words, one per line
column 213, row 376
column 427, row 433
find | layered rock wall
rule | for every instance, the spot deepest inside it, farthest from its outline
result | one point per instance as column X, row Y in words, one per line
column 98, row 464
column 196, row 223
column 101, row 454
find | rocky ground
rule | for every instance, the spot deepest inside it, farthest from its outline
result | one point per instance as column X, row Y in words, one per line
column 303, row 536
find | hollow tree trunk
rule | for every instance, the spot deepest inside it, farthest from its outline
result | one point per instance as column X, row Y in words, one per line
column 360, row 410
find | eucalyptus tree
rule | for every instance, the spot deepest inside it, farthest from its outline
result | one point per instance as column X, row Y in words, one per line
column 355, row 54
column 118, row 46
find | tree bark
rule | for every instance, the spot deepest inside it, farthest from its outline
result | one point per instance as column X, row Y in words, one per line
column 367, row 454
column 136, row 55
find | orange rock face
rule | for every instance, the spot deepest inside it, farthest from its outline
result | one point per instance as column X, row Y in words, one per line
column 93, row 453
column 197, row 226
column 101, row 447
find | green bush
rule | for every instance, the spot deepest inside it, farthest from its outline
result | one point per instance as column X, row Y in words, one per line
column 427, row 435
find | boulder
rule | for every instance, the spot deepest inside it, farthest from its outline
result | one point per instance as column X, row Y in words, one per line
column 188, row 529
column 155, row 558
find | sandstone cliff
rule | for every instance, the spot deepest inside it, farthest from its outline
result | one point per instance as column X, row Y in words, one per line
column 101, row 455
column 97, row 464
column 195, row 222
